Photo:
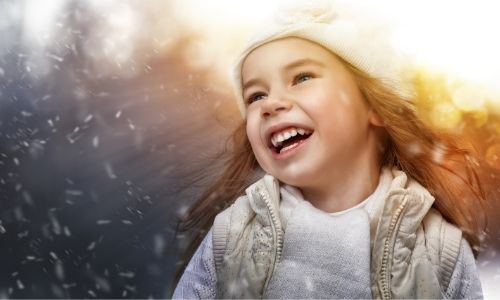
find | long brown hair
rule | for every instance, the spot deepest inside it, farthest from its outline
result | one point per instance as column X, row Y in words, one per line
column 434, row 158
column 431, row 156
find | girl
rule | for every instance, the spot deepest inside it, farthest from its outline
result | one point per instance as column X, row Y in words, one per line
column 359, row 198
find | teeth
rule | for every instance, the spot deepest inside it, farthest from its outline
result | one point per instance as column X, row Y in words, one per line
column 288, row 147
column 274, row 142
column 278, row 138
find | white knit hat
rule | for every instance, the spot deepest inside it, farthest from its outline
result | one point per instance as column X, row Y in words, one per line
column 364, row 44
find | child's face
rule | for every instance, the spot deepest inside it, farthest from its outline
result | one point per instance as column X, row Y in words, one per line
column 296, row 87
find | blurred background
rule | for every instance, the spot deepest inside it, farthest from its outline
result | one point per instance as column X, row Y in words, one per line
column 107, row 108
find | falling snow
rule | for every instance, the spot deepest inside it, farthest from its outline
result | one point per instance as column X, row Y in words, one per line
column 59, row 270
column 130, row 124
column 103, row 222
column 159, row 245
column 67, row 232
column 95, row 141
column 69, row 285
column 102, row 283
column 20, row 284
column 109, row 170
column 128, row 274
column 55, row 57
column 74, row 192
column 56, row 226
column 88, row 118
column 26, row 113
column 53, row 255
column 101, row 127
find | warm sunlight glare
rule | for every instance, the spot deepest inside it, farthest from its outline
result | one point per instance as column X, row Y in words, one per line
column 456, row 37
column 224, row 27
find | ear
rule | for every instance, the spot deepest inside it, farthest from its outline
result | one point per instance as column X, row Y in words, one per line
column 375, row 119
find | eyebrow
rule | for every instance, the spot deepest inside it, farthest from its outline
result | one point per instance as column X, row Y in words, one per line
column 301, row 62
column 292, row 65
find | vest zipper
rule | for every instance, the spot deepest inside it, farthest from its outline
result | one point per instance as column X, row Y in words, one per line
column 385, row 289
column 277, row 227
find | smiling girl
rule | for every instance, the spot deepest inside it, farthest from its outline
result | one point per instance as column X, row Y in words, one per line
column 359, row 198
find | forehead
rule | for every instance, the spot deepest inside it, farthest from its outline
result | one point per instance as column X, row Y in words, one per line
column 280, row 52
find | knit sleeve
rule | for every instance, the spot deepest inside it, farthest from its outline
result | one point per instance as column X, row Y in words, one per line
column 464, row 283
column 199, row 280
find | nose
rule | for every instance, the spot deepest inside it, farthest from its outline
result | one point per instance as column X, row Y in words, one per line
column 275, row 104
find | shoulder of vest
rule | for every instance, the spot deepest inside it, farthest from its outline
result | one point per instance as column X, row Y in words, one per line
column 443, row 244
column 222, row 223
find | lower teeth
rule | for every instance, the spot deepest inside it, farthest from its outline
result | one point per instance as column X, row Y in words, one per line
column 288, row 147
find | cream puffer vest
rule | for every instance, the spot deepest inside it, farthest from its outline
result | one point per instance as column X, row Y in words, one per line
column 414, row 250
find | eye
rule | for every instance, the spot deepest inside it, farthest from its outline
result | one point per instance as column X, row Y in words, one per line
column 301, row 77
column 255, row 97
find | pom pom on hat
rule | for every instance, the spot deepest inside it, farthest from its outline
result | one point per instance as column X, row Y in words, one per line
column 295, row 12
column 363, row 43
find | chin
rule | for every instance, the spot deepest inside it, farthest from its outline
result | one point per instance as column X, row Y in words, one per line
column 295, row 180
column 297, row 174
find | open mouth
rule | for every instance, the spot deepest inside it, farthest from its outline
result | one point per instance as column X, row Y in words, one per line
column 288, row 139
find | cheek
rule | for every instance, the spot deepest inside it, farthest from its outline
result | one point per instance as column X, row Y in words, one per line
column 343, row 117
column 258, row 148
column 345, row 99
column 351, row 107
column 251, row 130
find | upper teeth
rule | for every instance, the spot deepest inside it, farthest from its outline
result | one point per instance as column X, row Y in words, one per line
column 278, row 137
